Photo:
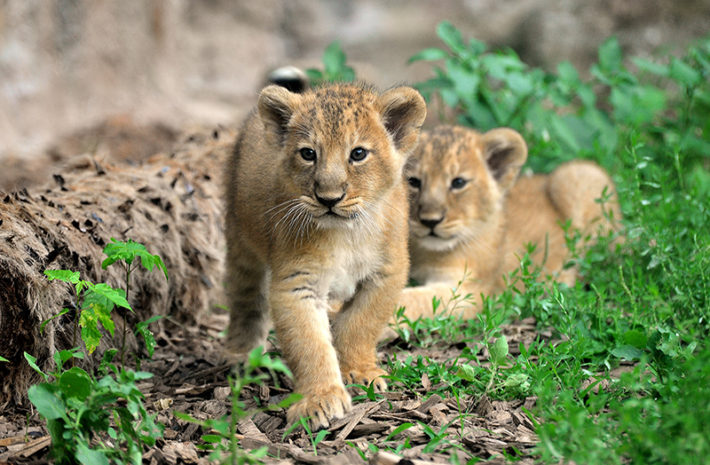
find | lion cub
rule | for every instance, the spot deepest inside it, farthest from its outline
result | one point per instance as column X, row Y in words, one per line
column 317, row 210
column 469, row 216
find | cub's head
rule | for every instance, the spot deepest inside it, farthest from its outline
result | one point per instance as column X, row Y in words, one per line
column 342, row 147
column 457, row 181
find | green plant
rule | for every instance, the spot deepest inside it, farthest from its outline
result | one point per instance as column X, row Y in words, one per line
column 97, row 420
column 335, row 68
column 222, row 439
column 95, row 302
column 642, row 301
column 94, row 421
column 126, row 253
column 314, row 439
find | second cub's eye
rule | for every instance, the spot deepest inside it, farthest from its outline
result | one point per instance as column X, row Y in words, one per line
column 358, row 154
column 458, row 183
column 308, row 154
column 414, row 182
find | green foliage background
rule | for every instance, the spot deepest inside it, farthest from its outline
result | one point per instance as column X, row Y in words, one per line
column 646, row 301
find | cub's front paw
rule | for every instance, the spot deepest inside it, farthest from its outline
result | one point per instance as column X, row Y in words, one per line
column 365, row 375
column 321, row 406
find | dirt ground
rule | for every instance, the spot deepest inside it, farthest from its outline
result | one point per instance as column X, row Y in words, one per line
column 191, row 377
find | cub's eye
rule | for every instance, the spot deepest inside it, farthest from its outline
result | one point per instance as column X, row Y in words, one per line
column 458, row 183
column 358, row 154
column 414, row 182
column 308, row 154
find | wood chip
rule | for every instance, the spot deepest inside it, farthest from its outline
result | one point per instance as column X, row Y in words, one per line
column 356, row 418
column 388, row 458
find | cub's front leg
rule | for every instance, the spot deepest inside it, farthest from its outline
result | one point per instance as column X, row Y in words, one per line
column 359, row 325
column 300, row 314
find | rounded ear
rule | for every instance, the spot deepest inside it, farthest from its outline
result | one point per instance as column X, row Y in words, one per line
column 403, row 111
column 276, row 106
column 505, row 152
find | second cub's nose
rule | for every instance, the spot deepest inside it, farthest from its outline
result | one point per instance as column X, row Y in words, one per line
column 329, row 202
column 431, row 224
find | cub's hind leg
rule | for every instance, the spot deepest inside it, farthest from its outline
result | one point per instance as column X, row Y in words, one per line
column 247, row 284
column 585, row 194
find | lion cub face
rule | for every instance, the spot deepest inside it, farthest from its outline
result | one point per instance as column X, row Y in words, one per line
column 458, row 179
column 342, row 148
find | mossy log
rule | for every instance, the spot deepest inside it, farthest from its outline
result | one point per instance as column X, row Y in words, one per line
column 171, row 203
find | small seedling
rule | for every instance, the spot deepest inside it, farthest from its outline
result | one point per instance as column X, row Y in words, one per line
column 222, row 439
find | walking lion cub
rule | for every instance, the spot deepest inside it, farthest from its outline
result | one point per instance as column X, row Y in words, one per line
column 471, row 217
column 316, row 210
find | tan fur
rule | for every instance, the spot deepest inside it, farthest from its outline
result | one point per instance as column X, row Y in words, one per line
column 289, row 256
column 485, row 224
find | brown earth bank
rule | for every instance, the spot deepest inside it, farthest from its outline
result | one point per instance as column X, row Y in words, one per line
column 171, row 203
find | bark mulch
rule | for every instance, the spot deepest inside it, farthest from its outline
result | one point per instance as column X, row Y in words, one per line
column 191, row 377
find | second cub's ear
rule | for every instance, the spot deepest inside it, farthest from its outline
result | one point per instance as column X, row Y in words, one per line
column 403, row 111
column 276, row 106
column 505, row 153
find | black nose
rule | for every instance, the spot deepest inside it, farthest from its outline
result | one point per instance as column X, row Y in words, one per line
column 431, row 224
column 329, row 202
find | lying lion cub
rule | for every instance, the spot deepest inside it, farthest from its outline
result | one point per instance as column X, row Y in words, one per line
column 469, row 216
column 317, row 210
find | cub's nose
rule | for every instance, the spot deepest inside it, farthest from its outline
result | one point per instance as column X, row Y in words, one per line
column 329, row 202
column 431, row 223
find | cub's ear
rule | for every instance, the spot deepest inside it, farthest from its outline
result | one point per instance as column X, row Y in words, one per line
column 276, row 106
column 403, row 111
column 505, row 152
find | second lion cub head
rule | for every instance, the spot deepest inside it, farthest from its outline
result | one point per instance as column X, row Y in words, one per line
column 343, row 146
column 458, row 179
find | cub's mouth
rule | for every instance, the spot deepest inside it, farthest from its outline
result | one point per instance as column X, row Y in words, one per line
column 335, row 218
column 432, row 239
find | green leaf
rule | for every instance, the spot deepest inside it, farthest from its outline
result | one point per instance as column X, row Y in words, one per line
column 334, row 58
column 684, row 73
column 466, row 372
column 627, row 352
column 128, row 251
column 519, row 382
column 44, row 323
column 96, row 309
column 88, row 456
column 568, row 73
column 610, row 55
column 61, row 356
column 32, row 361
column 3, row 359
column 320, row 436
column 429, row 54
column 76, row 383
column 211, row 438
column 186, row 417
column 563, row 132
column 148, row 338
column 450, row 36
column 399, row 429
column 115, row 296
column 63, row 275
column 499, row 350
column 636, row 338
column 46, row 400
column 650, row 67
column 465, row 81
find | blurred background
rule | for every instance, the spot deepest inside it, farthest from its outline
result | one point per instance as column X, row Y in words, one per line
column 123, row 78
